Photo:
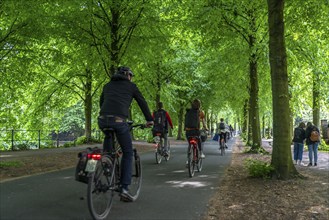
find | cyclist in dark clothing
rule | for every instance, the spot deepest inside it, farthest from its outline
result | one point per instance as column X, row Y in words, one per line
column 222, row 130
column 162, row 126
column 115, row 101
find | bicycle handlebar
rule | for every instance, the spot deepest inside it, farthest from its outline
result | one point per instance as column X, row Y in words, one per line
column 142, row 126
column 132, row 125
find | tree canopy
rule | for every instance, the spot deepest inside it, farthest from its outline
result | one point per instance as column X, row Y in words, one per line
column 56, row 55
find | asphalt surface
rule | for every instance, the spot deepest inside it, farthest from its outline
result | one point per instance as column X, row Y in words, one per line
column 167, row 191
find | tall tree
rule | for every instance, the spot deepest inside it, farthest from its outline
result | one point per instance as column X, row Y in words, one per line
column 281, row 155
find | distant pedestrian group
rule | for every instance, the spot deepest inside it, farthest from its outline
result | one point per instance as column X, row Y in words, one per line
column 312, row 137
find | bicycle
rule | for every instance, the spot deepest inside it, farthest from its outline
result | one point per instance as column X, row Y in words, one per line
column 104, row 177
column 160, row 150
column 193, row 155
column 222, row 145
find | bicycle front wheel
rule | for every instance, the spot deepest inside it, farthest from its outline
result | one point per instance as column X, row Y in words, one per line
column 222, row 148
column 136, row 178
column 190, row 160
column 167, row 157
column 100, row 190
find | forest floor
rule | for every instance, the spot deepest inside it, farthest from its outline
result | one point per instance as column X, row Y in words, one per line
column 238, row 196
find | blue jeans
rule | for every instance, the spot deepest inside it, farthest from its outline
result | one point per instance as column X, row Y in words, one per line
column 313, row 149
column 298, row 151
column 124, row 138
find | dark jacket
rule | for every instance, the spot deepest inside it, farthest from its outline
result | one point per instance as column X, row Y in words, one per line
column 308, row 134
column 299, row 135
column 117, row 96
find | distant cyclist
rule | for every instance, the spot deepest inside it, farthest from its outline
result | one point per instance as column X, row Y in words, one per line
column 222, row 130
column 115, row 101
column 193, row 117
column 161, row 121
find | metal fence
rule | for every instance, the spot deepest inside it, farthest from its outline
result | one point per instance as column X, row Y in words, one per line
column 36, row 139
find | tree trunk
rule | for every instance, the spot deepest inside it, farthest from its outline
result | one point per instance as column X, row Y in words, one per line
column 254, row 107
column 263, row 126
column 245, row 118
column 254, row 88
column 249, row 140
column 316, row 98
column 281, row 155
column 158, row 89
column 115, row 41
column 270, row 123
column 88, row 104
column 180, row 121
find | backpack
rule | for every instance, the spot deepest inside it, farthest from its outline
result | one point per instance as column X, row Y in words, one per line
column 192, row 119
column 160, row 121
column 222, row 126
column 80, row 174
column 315, row 136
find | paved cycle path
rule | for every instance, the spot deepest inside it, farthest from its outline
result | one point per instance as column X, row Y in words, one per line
column 167, row 191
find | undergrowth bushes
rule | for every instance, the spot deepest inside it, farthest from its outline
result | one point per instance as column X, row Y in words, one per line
column 259, row 169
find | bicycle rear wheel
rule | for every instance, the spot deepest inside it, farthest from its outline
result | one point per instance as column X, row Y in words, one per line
column 167, row 157
column 199, row 164
column 136, row 179
column 100, row 190
column 222, row 148
column 158, row 156
column 190, row 161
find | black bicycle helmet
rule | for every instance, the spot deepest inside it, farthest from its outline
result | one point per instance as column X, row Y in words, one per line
column 123, row 70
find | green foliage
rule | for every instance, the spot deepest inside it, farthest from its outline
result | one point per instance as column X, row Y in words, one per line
column 83, row 140
column 50, row 51
column 24, row 145
column 69, row 144
column 47, row 144
column 73, row 118
column 259, row 169
column 323, row 146
column 13, row 163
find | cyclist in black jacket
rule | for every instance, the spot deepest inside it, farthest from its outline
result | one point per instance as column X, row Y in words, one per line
column 115, row 101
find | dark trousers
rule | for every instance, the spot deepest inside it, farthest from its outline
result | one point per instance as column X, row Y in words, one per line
column 124, row 138
column 222, row 136
column 195, row 133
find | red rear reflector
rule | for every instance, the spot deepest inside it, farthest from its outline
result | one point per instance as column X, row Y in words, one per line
column 94, row 156
column 192, row 141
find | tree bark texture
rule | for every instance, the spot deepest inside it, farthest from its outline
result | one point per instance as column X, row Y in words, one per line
column 115, row 41
column 180, row 132
column 245, row 117
column 254, row 105
column 316, row 99
column 281, row 155
column 254, row 120
column 88, row 104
